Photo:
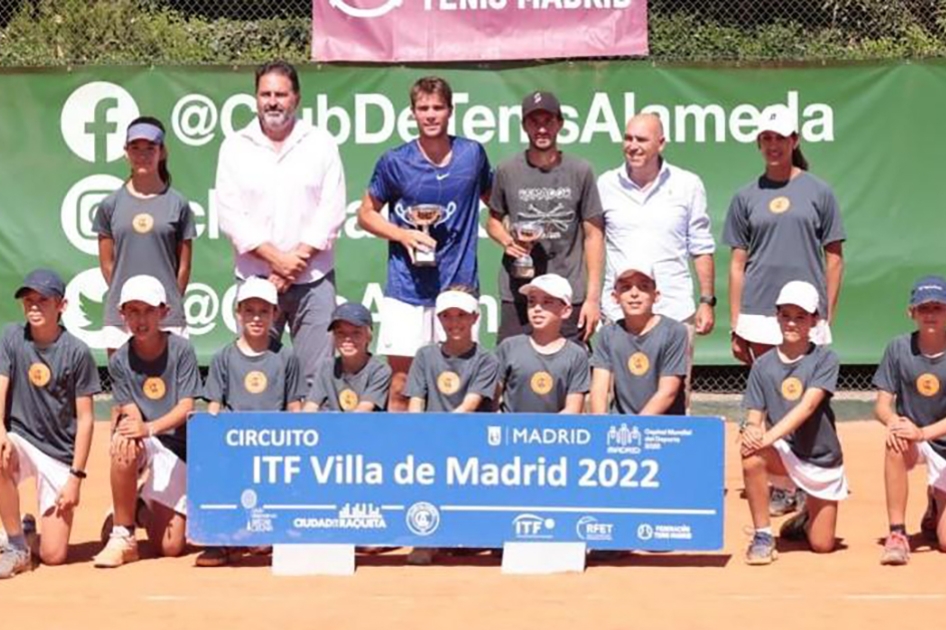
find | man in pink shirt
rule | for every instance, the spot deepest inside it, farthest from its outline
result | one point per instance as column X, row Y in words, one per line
column 281, row 201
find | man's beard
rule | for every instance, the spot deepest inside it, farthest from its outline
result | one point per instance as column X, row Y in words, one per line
column 276, row 120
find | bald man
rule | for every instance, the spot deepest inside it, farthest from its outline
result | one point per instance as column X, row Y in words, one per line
column 657, row 210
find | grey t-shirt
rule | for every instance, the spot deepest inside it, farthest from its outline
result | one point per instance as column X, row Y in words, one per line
column 917, row 382
column 147, row 233
column 560, row 199
column 44, row 385
column 444, row 381
column 155, row 387
column 783, row 226
column 776, row 388
column 265, row 382
column 335, row 390
column 540, row 383
column 637, row 362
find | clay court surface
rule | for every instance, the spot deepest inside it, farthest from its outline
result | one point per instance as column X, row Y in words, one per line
column 847, row 589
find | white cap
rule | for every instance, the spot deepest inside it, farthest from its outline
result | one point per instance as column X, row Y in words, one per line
column 779, row 119
column 457, row 299
column 147, row 289
column 261, row 288
column 631, row 266
column 551, row 283
column 799, row 293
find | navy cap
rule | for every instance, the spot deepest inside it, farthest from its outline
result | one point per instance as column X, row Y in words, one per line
column 351, row 312
column 928, row 289
column 46, row 282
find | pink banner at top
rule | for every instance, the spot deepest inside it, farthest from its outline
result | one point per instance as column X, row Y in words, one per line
column 476, row 30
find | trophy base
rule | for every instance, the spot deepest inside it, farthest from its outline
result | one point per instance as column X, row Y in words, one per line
column 424, row 259
column 523, row 268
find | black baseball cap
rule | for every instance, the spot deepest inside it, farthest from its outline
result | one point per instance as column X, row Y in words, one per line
column 46, row 282
column 351, row 312
column 541, row 102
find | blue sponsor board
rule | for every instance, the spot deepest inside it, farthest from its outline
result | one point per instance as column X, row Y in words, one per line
column 443, row 480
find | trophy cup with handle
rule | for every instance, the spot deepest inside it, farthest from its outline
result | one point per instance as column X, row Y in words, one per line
column 423, row 216
column 526, row 232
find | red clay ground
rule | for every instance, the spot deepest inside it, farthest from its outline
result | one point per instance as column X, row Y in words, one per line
column 847, row 589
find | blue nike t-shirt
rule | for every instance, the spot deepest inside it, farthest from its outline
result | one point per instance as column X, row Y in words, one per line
column 404, row 177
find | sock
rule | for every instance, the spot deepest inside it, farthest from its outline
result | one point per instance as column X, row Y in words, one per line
column 124, row 532
column 898, row 529
column 764, row 530
column 17, row 542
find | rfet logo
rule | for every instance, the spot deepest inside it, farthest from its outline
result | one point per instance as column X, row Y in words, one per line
column 371, row 8
column 94, row 119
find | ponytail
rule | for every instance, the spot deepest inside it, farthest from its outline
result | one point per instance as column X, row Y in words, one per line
column 798, row 159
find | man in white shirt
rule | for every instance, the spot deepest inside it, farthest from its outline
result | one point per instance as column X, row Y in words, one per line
column 281, row 201
column 657, row 209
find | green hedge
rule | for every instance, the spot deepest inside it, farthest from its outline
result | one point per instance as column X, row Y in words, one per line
column 58, row 32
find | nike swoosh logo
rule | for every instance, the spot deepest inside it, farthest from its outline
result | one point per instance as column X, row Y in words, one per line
column 442, row 176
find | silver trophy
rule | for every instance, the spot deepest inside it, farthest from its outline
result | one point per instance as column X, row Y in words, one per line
column 527, row 232
column 423, row 216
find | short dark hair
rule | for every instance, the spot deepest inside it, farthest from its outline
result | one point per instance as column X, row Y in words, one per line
column 432, row 85
column 279, row 66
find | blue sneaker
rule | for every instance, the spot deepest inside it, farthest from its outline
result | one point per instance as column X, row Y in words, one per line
column 761, row 549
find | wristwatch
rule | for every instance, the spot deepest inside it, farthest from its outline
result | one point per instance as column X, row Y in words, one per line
column 78, row 474
column 708, row 299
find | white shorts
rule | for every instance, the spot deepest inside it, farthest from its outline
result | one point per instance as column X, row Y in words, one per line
column 116, row 336
column 828, row 484
column 406, row 328
column 935, row 465
column 765, row 329
column 51, row 474
column 167, row 483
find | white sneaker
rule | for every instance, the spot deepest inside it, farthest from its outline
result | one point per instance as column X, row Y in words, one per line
column 119, row 550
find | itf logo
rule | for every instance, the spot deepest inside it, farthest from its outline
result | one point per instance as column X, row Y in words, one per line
column 94, row 119
column 533, row 526
column 382, row 7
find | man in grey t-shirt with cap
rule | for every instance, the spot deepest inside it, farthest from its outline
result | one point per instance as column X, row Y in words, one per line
column 543, row 194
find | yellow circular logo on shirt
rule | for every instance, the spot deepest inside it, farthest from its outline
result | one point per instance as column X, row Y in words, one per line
column 347, row 400
column 255, row 382
column 927, row 384
column 780, row 205
column 792, row 388
column 154, row 388
column 638, row 364
column 541, row 383
column 40, row 374
column 448, row 383
column 142, row 223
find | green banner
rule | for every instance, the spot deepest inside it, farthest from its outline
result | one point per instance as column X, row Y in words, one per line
column 870, row 131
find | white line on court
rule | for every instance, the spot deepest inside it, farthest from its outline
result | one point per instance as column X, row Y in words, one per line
column 539, row 508
column 291, row 506
column 218, row 506
column 895, row 596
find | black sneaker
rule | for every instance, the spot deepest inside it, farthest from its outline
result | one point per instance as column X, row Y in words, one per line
column 928, row 524
column 795, row 528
